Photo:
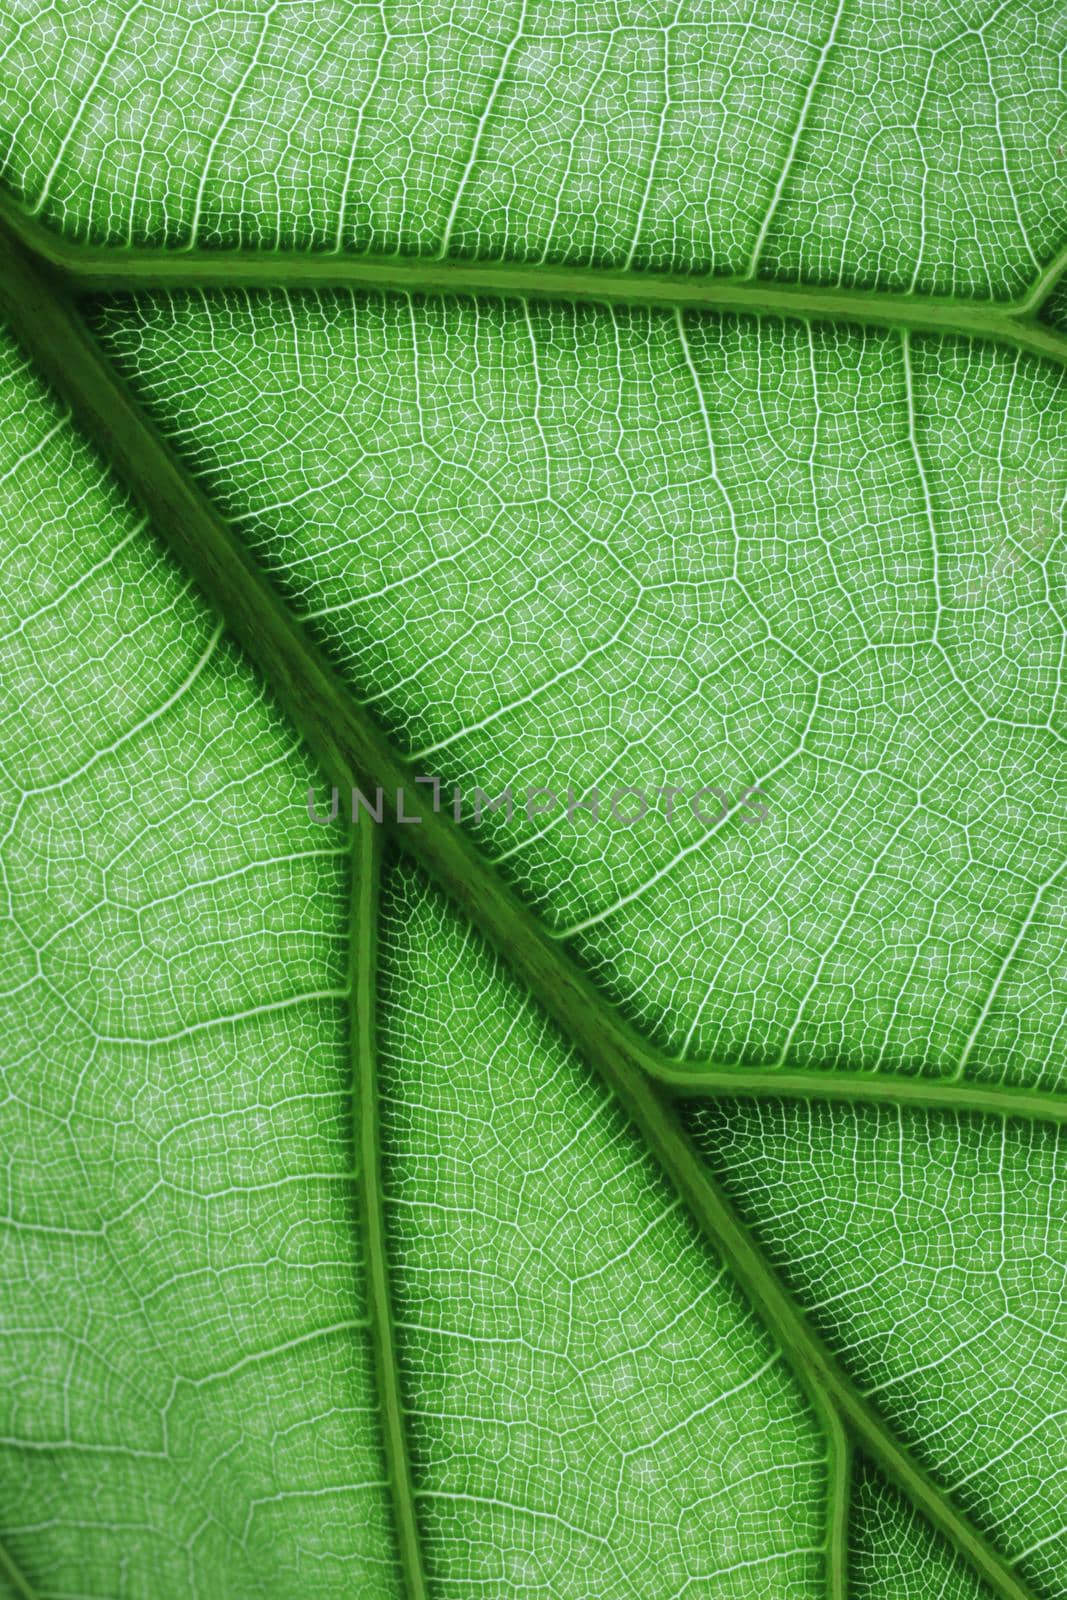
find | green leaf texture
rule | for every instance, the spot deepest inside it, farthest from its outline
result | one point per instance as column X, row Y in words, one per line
column 539, row 1207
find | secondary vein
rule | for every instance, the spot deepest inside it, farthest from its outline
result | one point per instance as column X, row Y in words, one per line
column 354, row 752
column 363, row 964
column 91, row 269
column 955, row 1095
column 839, row 1495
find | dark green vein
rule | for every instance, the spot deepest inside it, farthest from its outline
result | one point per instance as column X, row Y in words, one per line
column 839, row 1496
column 352, row 751
column 92, row 268
column 363, row 967
column 825, row 1381
column 957, row 1095
column 352, row 748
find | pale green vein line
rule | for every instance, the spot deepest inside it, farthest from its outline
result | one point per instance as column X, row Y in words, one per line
column 92, row 269
column 1043, row 285
column 798, row 134
column 363, row 961
column 1005, row 966
column 479, row 132
column 353, row 751
column 860, row 1088
column 839, row 1493
column 15, row 1577
column 85, row 101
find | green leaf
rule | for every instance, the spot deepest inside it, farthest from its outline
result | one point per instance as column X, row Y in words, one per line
column 533, row 396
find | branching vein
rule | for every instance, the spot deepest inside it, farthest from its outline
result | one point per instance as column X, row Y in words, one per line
column 352, row 750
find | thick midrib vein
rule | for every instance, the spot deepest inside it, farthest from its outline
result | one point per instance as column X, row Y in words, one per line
column 353, row 752
column 93, row 269
column 363, row 965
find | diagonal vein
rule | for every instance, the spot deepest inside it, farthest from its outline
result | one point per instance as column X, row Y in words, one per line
column 798, row 134
column 13, row 1575
column 353, row 751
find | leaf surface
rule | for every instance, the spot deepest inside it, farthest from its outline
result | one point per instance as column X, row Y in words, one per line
column 187, row 1387
column 329, row 1263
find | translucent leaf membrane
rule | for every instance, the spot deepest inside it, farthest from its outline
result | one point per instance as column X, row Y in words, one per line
column 593, row 1411
column 929, row 1249
column 186, row 1403
column 569, row 548
column 1054, row 311
column 895, row 1555
column 912, row 146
